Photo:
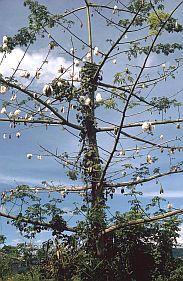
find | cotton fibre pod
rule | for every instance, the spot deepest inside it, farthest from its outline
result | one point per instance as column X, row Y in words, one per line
column 99, row 98
column 48, row 90
column 147, row 127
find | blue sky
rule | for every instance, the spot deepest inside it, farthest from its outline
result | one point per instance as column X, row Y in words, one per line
column 14, row 166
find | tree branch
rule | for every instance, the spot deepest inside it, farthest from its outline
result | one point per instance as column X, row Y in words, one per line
column 149, row 142
column 36, row 222
column 39, row 121
column 135, row 182
column 64, row 121
column 113, row 46
column 129, row 97
column 107, row 129
column 142, row 221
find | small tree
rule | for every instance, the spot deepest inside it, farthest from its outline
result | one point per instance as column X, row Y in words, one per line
column 20, row 262
column 114, row 122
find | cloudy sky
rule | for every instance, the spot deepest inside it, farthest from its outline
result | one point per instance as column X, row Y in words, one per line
column 14, row 166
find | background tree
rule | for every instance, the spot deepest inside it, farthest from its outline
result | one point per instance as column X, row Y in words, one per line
column 20, row 262
column 114, row 121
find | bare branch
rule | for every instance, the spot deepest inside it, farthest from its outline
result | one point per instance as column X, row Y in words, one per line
column 135, row 182
column 113, row 46
column 162, row 122
column 142, row 221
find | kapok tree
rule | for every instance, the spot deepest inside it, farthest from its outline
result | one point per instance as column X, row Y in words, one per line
column 109, row 96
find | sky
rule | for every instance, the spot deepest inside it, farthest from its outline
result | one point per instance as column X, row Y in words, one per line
column 15, row 169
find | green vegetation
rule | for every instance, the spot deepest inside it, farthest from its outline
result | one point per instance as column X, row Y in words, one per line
column 106, row 101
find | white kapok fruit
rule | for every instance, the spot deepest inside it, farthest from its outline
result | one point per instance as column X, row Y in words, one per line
column 5, row 47
column 82, row 99
column 87, row 101
column 5, row 39
column 3, row 89
column 147, row 127
column 115, row 9
column 169, row 206
column 24, row 74
column 149, row 159
column 29, row 156
column 138, row 178
column 48, row 90
column 18, row 134
column 14, row 97
column 16, row 113
column 72, row 51
column 3, row 110
column 88, row 56
column 76, row 63
column 96, row 51
column 39, row 157
column 99, row 98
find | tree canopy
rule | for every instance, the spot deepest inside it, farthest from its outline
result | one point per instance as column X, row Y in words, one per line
column 115, row 103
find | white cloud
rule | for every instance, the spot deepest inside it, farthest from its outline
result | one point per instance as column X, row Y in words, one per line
column 16, row 241
column 31, row 62
column 166, row 194
column 32, row 181
column 10, row 179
